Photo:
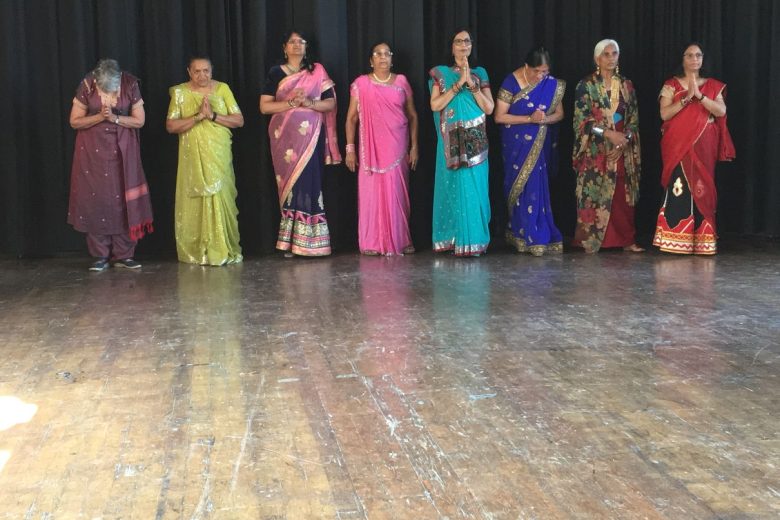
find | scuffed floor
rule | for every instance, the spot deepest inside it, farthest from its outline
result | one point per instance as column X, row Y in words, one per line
column 614, row 386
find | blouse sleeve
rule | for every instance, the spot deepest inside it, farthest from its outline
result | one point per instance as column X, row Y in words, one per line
column 230, row 100
column 404, row 83
column 83, row 92
column 174, row 108
column 275, row 75
column 135, row 94
column 667, row 91
column 505, row 92
column 436, row 78
column 354, row 90
column 484, row 81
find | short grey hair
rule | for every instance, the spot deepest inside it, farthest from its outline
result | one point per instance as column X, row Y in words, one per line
column 603, row 44
column 108, row 75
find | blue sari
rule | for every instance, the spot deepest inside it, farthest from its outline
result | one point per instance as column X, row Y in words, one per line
column 529, row 155
column 461, row 208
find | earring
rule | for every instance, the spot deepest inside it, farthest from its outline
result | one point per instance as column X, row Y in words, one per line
column 617, row 70
column 285, row 55
column 598, row 70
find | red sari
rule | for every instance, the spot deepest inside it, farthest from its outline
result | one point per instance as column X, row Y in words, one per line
column 692, row 142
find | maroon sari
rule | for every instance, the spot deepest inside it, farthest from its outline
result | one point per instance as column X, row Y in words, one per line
column 108, row 190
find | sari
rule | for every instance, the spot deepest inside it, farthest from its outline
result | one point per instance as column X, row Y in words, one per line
column 302, row 141
column 692, row 142
column 383, row 175
column 206, row 215
column 461, row 208
column 607, row 191
column 108, row 191
column 528, row 152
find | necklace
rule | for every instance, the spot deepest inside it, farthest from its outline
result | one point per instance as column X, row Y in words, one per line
column 291, row 69
column 382, row 80
column 527, row 83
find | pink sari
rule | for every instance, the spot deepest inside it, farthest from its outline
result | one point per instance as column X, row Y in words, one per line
column 294, row 133
column 383, row 194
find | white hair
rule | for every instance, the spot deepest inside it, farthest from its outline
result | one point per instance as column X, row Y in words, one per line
column 108, row 75
column 603, row 44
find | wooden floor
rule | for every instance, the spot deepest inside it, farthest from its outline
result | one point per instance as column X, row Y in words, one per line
column 613, row 386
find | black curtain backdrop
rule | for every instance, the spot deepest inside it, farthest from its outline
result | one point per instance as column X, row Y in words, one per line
column 48, row 46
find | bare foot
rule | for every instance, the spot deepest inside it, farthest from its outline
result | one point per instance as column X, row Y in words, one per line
column 633, row 248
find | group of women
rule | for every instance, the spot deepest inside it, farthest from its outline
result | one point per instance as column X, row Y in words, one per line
column 110, row 198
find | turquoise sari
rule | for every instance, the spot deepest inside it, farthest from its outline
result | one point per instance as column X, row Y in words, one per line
column 461, row 207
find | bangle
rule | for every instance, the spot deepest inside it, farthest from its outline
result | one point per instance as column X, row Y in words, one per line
column 456, row 88
column 351, row 147
column 597, row 130
column 213, row 116
column 290, row 103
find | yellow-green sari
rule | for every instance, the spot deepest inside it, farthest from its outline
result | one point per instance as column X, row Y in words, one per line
column 206, row 213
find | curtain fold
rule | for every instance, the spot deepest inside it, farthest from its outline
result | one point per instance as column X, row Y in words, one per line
column 47, row 47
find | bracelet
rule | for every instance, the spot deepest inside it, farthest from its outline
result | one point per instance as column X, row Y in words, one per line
column 116, row 120
column 213, row 116
column 702, row 98
column 456, row 88
column 351, row 147
column 597, row 130
column 290, row 103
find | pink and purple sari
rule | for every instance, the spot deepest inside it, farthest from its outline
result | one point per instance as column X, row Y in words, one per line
column 383, row 175
column 302, row 142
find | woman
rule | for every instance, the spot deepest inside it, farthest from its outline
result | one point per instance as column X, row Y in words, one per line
column 694, row 138
column 202, row 112
column 301, row 97
column 606, row 155
column 460, row 100
column 528, row 101
column 382, row 102
column 109, row 197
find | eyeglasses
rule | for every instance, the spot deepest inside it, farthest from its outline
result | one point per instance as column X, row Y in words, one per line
column 299, row 41
column 466, row 41
column 696, row 55
column 381, row 54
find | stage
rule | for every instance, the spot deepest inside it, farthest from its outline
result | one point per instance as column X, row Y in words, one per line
column 600, row 386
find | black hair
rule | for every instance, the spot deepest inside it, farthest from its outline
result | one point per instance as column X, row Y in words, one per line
column 199, row 56
column 308, row 59
column 679, row 71
column 537, row 56
column 472, row 57
column 377, row 44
